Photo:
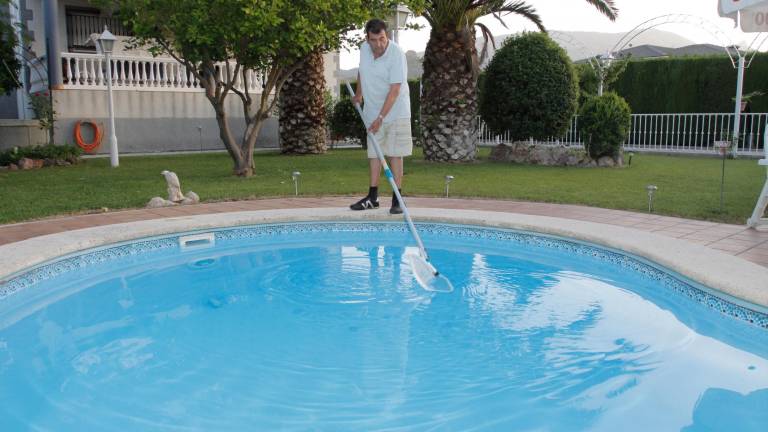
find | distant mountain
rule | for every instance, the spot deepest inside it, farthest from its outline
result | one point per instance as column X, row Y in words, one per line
column 579, row 45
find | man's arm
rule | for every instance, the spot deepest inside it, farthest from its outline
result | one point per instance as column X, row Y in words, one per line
column 394, row 91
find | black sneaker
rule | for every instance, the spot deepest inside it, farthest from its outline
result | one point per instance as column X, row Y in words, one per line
column 365, row 204
column 395, row 209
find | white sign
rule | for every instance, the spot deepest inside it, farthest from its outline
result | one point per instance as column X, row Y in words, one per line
column 754, row 20
column 730, row 6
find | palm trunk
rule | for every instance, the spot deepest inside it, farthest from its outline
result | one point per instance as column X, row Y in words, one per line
column 302, row 109
column 449, row 105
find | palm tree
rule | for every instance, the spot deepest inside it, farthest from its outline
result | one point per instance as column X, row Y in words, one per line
column 449, row 103
column 302, row 111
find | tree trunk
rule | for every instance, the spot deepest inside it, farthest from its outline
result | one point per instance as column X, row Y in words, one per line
column 302, row 108
column 243, row 165
column 449, row 105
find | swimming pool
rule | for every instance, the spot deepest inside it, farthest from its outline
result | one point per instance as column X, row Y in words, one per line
column 320, row 326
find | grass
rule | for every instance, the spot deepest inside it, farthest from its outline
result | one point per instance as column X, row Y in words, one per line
column 688, row 186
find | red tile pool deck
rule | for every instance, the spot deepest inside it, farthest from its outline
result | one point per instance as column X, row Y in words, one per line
column 737, row 240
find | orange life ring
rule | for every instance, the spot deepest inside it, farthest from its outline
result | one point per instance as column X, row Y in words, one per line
column 89, row 147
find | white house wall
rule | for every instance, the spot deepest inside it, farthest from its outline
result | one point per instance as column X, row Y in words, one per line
column 36, row 25
column 147, row 121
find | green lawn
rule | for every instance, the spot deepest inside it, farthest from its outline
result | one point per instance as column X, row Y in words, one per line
column 688, row 186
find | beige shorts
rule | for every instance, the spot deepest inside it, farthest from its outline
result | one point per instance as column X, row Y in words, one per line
column 394, row 138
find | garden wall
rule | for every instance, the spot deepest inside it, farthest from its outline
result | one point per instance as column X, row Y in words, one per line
column 20, row 133
column 153, row 121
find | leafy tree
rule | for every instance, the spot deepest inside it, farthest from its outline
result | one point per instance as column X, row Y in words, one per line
column 589, row 76
column 451, row 65
column 9, row 63
column 224, row 43
column 531, row 88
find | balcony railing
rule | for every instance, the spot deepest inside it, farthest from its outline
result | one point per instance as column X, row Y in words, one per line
column 88, row 71
column 81, row 25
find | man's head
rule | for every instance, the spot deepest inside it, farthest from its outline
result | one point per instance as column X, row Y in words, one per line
column 376, row 35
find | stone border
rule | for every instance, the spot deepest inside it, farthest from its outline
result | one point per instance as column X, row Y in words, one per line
column 734, row 279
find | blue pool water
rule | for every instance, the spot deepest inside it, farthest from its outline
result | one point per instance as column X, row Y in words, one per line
column 322, row 327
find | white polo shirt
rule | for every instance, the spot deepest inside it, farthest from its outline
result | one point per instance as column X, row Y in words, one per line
column 377, row 75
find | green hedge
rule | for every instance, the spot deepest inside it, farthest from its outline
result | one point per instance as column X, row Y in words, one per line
column 690, row 84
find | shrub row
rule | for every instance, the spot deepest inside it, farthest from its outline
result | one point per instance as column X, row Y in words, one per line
column 69, row 153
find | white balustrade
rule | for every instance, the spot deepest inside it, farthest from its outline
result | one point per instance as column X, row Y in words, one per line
column 88, row 71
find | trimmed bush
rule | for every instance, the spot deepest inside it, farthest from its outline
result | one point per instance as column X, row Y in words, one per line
column 604, row 122
column 346, row 123
column 530, row 89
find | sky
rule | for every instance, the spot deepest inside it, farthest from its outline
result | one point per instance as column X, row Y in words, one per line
column 578, row 15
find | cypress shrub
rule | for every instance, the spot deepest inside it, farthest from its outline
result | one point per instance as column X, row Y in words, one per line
column 604, row 122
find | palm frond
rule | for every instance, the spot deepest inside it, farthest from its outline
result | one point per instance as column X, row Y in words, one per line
column 606, row 7
column 522, row 9
column 487, row 36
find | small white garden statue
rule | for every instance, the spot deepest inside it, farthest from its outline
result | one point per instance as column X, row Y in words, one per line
column 175, row 197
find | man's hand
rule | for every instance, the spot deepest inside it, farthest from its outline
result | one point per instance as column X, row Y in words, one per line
column 357, row 99
column 375, row 125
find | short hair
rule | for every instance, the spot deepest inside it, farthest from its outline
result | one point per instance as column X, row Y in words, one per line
column 375, row 26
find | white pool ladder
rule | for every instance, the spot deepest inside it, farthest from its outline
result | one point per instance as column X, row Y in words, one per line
column 757, row 218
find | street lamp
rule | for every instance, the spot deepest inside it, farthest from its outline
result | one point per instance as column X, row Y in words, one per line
column 107, row 42
column 396, row 19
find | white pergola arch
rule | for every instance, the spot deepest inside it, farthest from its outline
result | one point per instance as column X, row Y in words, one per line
column 737, row 56
column 693, row 20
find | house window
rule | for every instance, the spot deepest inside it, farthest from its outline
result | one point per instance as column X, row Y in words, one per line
column 83, row 22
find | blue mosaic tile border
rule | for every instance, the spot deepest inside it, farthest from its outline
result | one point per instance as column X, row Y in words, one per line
column 664, row 278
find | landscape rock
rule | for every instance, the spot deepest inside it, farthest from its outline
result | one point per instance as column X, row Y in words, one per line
column 175, row 197
column 191, row 198
column 28, row 164
column 158, row 202
column 533, row 153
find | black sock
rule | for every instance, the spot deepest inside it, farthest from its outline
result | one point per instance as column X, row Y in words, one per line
column 373, row 193
column 394, row 197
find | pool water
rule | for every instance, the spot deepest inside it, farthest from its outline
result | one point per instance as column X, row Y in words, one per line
column 322, row 327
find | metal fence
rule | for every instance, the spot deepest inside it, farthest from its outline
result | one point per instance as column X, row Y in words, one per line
column 669, row 133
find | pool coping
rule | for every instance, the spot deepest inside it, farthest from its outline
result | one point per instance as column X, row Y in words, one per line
column 735, row 277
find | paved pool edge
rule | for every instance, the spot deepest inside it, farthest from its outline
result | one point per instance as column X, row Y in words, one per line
column 724, row 273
